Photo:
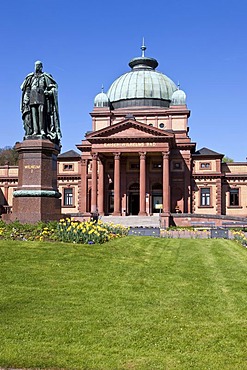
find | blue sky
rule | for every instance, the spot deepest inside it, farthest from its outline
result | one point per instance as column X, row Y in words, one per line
column 201, row 44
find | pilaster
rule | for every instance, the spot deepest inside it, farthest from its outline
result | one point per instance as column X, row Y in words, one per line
column 94, row 183
column 142, row 211
column 116, row 184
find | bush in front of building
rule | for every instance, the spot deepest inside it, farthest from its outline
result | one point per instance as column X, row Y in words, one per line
column 17, row 231
column 88, row 232
column 240, row 237
column 66, row 230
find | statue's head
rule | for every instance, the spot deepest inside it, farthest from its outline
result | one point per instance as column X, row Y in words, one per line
column 38, row 66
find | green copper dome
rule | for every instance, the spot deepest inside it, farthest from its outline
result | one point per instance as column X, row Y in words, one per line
column 178, row 97
column 142, row 86
column 101, row 100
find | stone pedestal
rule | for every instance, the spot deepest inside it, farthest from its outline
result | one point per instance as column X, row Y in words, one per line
column 36, row 197
column 165, row 220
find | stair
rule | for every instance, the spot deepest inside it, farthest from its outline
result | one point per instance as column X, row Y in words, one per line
column 133, row 221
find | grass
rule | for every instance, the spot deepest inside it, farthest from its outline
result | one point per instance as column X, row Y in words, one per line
column 133, row 303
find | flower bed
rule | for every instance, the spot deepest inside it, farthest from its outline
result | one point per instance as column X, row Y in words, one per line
column 240, row 237
column 89, row 232
column 66, row 230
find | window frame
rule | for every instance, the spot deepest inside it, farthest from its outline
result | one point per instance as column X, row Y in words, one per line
column 68, row 199
column 237, row 189
column 205, row 165
column 205, row 198
column 156, row 165
column 71, row 165
column 135, row 164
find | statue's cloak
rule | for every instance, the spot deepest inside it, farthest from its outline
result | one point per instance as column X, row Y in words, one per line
column 25, row 108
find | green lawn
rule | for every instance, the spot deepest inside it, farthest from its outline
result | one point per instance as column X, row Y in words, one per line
column 133, row 303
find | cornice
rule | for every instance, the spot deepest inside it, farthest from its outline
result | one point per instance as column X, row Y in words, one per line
column 128, row 123
column 207, row 176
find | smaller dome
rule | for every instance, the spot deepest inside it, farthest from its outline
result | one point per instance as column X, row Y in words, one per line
column 101, row 100
column 178, row 97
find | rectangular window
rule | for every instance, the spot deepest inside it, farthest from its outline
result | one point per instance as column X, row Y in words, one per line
column 205, row 197
column 134, row 166
column 205, row 165
column 177, row 165
column 156, row 165
column 68, row 167
column 68, row 197
column 234, row 197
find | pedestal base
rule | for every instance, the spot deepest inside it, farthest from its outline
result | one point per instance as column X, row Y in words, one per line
column 35, row 209
column 36, row 197
column 165, row 220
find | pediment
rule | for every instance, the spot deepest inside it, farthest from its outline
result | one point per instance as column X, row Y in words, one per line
column 129, row 129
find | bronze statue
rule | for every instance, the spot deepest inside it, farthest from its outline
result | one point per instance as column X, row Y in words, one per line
column 39, row 105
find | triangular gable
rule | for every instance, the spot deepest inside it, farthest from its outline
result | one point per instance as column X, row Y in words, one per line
column 129, row 129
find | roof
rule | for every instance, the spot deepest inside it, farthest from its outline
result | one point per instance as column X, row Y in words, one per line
column 207, row 152
column 69, row 154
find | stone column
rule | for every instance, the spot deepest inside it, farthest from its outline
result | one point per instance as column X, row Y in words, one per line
column 94, row 183
column 187, row 186
column 6, row 192
column 218, row 197
column 165, row 216
column 116, row 184
column 166, row 183
column 83, row 192
column 101, row 187
column 142, row 211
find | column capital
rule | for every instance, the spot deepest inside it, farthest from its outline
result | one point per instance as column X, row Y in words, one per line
column 117, row 155
column 142, row 155
column 166, row 155
column 94, row 155
column 84, row 162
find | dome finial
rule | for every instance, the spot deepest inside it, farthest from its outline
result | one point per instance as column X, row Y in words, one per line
column 178, row 85
column 143, row 48
column 102, row 88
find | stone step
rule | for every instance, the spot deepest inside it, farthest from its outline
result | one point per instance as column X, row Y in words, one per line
column 133, row 221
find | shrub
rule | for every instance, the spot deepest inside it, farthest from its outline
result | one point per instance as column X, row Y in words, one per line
column 66, row 230
column 88, row 232
column 240, row 237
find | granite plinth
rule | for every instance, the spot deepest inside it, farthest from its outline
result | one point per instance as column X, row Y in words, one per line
column 36, row 197
column 35, row 209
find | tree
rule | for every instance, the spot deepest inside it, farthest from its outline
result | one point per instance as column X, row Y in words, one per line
column 8, row 155
column 227, row 160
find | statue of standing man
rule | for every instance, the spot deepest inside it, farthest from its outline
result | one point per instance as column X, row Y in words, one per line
column 39, row 105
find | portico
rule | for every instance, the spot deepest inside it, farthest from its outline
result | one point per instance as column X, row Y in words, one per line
column 130, row 170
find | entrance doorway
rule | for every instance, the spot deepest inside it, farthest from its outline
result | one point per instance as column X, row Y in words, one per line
column 157, row 198
column 134, row 199
column 110, row 199
column 134, row 203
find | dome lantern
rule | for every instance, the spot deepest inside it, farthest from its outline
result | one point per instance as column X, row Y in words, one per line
column 142, row 86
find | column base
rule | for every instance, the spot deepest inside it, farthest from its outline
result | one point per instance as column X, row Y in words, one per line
column 116, row 214
column 142, row 214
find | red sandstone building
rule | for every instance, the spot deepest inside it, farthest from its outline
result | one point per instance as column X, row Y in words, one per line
column 139, row 159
